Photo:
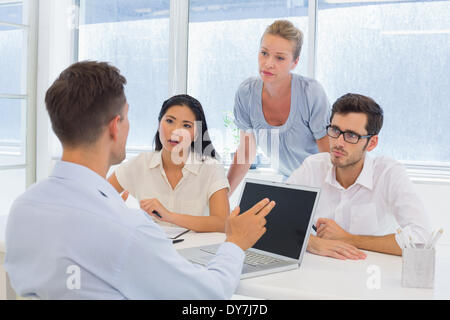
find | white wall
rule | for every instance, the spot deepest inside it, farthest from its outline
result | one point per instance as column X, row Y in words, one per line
column 436, row 199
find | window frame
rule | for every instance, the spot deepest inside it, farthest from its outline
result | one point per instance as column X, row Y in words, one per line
column 58, row 31
column 30, row 25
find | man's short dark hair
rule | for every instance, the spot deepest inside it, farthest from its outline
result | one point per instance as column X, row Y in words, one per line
column 83, row 100
column 352, row 102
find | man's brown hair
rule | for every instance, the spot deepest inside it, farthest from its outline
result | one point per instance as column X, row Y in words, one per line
column 83, row 100
column 352, row 102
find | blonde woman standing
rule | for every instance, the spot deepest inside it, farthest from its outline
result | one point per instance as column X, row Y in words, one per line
column 283, row 113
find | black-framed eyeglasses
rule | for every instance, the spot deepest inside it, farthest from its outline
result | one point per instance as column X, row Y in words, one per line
column 349, row 136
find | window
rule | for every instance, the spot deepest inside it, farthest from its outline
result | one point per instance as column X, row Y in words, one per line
column 393, row 51
column 224, row 38
column 133, row 36
column 16, row 99
column 398, row 53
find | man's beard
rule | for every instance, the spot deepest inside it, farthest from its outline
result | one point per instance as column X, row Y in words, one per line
column 349, row 162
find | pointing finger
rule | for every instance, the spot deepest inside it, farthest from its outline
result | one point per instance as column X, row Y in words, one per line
column 257, row 207
column 266, row 210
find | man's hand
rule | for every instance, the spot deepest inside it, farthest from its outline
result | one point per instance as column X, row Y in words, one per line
column 152, row 205
column 329, row 229
column 245, row 229
column 334, row 248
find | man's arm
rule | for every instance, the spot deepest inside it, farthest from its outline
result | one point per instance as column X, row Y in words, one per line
column 383, row 244
column 243, row 158
column 152, row 269
column 405, row 204
column 329, row 229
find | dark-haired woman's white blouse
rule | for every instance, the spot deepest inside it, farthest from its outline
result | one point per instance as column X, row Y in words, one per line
column 144, row 177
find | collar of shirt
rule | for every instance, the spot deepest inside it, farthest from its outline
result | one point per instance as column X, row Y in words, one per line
column 85, row 176
column 364, row 179
column 192, row 164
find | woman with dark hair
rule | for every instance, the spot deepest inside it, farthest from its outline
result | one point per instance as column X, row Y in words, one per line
column 195, row 106
column 181, row 179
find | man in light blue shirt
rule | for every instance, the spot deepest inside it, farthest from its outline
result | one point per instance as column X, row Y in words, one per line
column 71, row 236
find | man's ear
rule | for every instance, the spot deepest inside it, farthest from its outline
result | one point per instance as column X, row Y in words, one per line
column 373, row 142
column 113, row 127
column 295, row 63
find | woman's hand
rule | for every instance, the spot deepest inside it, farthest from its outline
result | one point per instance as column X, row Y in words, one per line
column 154, row 208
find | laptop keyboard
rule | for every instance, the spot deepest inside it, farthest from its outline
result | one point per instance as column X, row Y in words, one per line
column 255, row 259
column 251, row 258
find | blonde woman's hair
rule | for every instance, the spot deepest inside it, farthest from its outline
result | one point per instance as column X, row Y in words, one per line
column 286, row 30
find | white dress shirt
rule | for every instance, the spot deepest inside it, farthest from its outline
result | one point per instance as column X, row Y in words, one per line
column 381, row 200
column 75, row 220
column 145, row 178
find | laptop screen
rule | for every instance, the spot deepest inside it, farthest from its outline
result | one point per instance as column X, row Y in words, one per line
column 287, row 223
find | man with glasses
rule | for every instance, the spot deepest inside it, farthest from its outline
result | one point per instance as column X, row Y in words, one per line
column 363, row 200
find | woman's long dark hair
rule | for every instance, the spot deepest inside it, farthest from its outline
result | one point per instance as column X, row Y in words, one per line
column 196, row 107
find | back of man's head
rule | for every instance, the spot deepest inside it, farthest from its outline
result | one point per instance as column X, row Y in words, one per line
column 358, row 103
column 83, row 100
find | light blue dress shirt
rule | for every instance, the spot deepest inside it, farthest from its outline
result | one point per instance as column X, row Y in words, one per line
column 76, row 221
column 296, row 139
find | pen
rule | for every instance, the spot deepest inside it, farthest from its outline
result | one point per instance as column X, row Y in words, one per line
column 157, row 214
column 177, row 241
column 314, row 228
column 184, row 232
column 436, row 237
column 430, row 240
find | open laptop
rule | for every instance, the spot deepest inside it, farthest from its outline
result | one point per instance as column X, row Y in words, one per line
column 288, row 227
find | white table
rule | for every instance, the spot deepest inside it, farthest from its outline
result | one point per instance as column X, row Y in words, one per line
column 318, row 277
column 327, row 278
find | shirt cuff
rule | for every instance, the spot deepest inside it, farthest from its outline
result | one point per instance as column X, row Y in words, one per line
column 232, row 249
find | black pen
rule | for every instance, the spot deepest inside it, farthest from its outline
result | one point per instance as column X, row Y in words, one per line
column 314, row 228
column 157, row 214
column 184, row 232
column 177, row 241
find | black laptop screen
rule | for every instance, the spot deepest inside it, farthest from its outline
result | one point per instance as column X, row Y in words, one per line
column 287, row 223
